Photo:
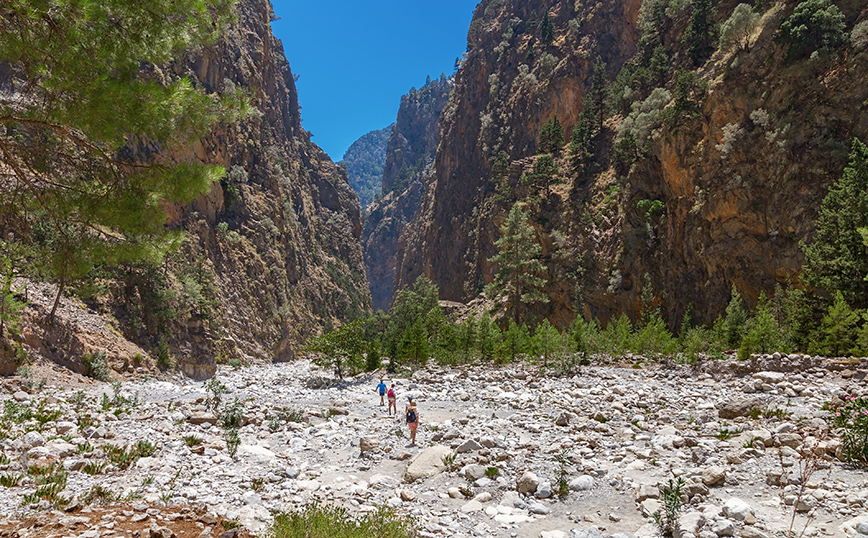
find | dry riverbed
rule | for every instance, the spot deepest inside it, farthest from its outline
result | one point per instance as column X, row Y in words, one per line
column 739, row 434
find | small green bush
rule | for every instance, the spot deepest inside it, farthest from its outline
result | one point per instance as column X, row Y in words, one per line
column 850, row 421
column 318, row 521
column 96, row 365
column 666, row 518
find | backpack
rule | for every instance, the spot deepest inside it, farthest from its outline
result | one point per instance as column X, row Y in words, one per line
column 391, row 393
column 411, row 415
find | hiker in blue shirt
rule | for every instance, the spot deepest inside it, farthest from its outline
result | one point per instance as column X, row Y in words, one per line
column 381, row 388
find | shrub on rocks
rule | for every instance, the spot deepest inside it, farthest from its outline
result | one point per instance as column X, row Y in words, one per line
column 319, row 521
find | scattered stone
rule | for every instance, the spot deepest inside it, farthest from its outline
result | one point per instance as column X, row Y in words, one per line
column 426, row 464
column 527, row 483
column 731, row 409
column 367, row 444
column 468, row 446
column 737, row 509
column 713, row 476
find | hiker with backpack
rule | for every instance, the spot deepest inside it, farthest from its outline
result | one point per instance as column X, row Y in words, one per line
column 381, row 388
column 412, row 415
column 393, row 402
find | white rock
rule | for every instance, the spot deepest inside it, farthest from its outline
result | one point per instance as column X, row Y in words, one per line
column 472, row 506
column 582, row 483
column 527, row 483
column 737, row 509
column 552, row 534
column 426, row 464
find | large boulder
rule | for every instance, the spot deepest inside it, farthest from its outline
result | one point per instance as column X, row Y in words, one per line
column 738, row 408
column 426, row 464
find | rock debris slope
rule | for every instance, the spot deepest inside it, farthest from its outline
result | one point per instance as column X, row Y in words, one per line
column 625, row 433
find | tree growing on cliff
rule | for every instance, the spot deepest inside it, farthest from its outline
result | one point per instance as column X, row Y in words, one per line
column 814, row 24
column 518, row 281
column 82, row 115
column 547, row 29
column 700, row 37
column 551, row 136
column 736, row 31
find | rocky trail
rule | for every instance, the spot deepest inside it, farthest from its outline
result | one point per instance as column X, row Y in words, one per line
column 149, row 457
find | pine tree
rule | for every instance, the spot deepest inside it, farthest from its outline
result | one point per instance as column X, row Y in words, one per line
column 838, row 331
column 814, row 24
column 487, row 337
column 837, row 258
column 518, row 281
column 731, row 327
column 547, row 29
column 551, row 136
column 701, row 34
column 596, row 98
column 75, row 128
column 763, row 333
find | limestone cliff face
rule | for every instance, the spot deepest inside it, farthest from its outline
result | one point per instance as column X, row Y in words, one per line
column 272, row 254
column 409, row 158
column 740, row 183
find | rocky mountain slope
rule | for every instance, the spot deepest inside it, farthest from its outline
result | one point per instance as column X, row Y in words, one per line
column 271, row 255
column 621, row 433
column 409, row 158
column 364, row 161
column 737, row 184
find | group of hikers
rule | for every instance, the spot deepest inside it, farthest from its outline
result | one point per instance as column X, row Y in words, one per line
column 411, row 412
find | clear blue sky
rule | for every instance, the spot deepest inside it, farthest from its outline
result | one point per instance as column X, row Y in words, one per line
column 355, row 59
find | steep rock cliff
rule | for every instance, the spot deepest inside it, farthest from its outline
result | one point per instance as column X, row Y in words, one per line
column 409, row 158
column 272, row 254
column 364, row 161
column 739, row 183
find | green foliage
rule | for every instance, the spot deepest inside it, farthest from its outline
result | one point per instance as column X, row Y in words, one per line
column 547, row 29
column 10, row 306
column 341, row 349
column 700, row 37
column 514, row 342
column 123, row 458
column 547, row 343
column 737, row 30
column 634, row 133
column 96, row 365
column 487, row 337
column 763, row 332
column 232, row 415
column 551, row 136
column 731, row 327
column 318, row 521
column 850, row 421
column 81, row 109
column 650, row 208
column 814, row 24
column 666, row 518
column 565, row 462
column 545, row 172
column 232, row 440
column 518, row 281
column 215, row 390
column 688, row 94
column 838, row 330
column 364, row 161
column 837, row 259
